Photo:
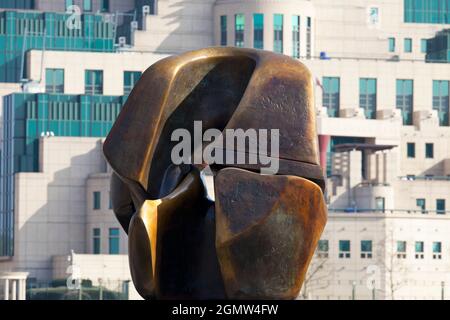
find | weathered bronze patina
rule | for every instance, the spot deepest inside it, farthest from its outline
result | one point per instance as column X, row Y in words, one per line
column 258, row 237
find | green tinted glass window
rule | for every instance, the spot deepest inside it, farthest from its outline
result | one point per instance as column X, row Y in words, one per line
column 223, row 30
column 437, row 247
column 258, row 31
column 331, row 95
column 411, row 150
column 296, row 36
column 429, row 150
column 105, row 5
column 239, row 26
column 440, row 206
column 94, row 82
column 408, row 45
column 401, row 246
column 404, row 100
column 87, row 5
column 54, row 80
column 423, row 45
column 427, row 11
column 96, row 244
column 419, row 246
column 391, row 42
column 368, row 97
column 130, row 78
column 441, row 100
column 366, row 245
column 344, row 245
column 278, row 33
column 114, row 241
column 421, row 203
column 97, row 200
column 323, row 246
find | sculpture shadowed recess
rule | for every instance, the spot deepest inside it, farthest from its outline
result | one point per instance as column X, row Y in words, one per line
column 257, row 238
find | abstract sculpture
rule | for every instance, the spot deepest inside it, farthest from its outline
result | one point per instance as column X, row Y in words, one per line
column 258, row 237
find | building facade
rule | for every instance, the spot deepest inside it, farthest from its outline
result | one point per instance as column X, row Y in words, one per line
column 382, row 80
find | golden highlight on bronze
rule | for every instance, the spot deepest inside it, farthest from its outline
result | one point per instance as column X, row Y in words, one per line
column 255, row 241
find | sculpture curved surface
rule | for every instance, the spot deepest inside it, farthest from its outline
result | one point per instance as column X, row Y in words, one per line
column 256, row 239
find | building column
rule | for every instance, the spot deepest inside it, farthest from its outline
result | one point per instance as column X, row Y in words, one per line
column 24, row 289
column 13, row 289
column 6, row 295
column 324, row 141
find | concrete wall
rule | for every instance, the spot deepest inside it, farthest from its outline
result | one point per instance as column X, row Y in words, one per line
column 50, row 205
column 104, row 218
column 230, row 8
column 408, row 278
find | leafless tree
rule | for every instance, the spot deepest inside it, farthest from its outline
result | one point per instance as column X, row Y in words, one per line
column 318, row 274
column 394, row 265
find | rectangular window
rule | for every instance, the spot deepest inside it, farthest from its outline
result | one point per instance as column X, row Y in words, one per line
column 322, row 249
column 344, row 249
column 437, row 250
column 308, row 37
column 440, row 206
column 391, row 44
column 429, row 150
column 419, row 250
column 366, row 249
column 441, row 100
column 93, row 82
column 421, row 204
column 130, row 78
column 96, row 200
column 278, row 33
column 258, row 31
column 96, row 241
column 380, row 204
column 87, row 5
column 401, row 249
column 239, row 26
column 110, row 206
column 423, row 45
column 331, row 95
column 223, row 30
column 368, row 97
column 411, row 150
column 114, row 240
column 427, row 11
column 105, row 6
column 404, row 100
column 54, row 80
column 296, row 37
column 408, row 45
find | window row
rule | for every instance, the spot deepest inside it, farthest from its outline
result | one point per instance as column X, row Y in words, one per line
column 54, row 81
column 411, row 150
column 440, row 205
column 68, row 110
column 97, row 200
column 258, row 32
column 404, row 98
column 407, row 45
column 427, row 11
column 113, row 241
column 87, row 5
column 366, row 249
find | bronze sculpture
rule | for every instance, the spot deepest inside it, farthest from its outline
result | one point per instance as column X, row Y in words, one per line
column 258, row 237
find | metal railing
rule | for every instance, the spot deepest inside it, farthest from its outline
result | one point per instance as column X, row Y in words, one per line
column 389, row 211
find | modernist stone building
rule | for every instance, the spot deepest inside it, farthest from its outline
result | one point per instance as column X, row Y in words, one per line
column 382, row 75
